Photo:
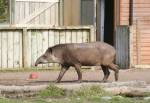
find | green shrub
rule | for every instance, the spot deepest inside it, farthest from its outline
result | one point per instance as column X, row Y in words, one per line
column 52, row 91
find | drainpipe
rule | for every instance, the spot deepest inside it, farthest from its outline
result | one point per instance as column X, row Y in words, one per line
column 95, row 15
column 102, row 19
column 130, row 12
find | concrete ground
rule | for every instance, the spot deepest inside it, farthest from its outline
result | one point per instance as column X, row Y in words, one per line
column 45, row 77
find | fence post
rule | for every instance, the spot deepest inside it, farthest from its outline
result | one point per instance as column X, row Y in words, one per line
column 132, row 32
column 25, row 48
column 92, row 35
column 138, row 46
column 61, row 13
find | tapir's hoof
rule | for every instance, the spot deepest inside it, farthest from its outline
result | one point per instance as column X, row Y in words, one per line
column 103, row 81
column 79, row 81
column 57, row 81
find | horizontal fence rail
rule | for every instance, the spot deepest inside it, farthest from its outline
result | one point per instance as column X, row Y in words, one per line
column 21, row 46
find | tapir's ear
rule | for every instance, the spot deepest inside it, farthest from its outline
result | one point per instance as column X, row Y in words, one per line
column 49, row 50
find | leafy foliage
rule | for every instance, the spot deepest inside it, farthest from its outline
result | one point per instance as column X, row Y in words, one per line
column 4, row 10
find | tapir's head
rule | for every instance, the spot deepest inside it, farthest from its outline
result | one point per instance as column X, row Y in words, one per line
column 47, row 57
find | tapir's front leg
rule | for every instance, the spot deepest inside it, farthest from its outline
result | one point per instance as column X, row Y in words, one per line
column 77, row 68
column 106, row 73
column 62, row 72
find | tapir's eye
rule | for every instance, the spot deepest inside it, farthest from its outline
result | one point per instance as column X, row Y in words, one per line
column 44, row 56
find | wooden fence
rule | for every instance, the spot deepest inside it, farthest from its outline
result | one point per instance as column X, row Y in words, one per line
column 20, row 46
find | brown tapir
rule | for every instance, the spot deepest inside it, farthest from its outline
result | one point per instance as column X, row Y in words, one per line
column 81, row 54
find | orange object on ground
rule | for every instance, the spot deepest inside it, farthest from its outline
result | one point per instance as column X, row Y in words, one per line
column 33, row 75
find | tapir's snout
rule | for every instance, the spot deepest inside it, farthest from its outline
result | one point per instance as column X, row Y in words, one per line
column 37, row 62
column 36, row 65
column 41, row 60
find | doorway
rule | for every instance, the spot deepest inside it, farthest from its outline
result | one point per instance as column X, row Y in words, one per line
column 109, row 22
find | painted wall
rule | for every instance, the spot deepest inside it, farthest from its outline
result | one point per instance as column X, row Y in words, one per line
column 71, row 12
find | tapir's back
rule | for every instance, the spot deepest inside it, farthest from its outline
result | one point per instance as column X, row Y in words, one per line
column 95, row 53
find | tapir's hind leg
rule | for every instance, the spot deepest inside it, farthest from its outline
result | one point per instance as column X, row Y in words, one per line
column 106, row 73
column 62, row 72
column 115, row 69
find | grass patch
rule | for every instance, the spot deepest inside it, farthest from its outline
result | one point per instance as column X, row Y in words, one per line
column 91, row 94
column 92, row 91
column 74, row 100
column 52, row 91
column 6, row 100
column 85, row 92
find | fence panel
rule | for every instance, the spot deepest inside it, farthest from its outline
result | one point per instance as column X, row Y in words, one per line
column 10, row 48
column 122, row 46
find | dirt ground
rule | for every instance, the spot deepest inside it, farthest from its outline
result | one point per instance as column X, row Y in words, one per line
column 45, row 77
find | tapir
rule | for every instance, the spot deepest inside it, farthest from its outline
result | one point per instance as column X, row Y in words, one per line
column 81, row 54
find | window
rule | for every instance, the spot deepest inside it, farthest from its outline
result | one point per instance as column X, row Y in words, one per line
column 87, row 12
column 4, row 11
